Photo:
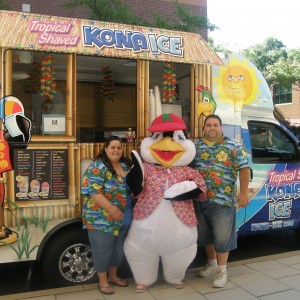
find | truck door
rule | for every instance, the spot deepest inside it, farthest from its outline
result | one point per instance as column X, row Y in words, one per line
column 275, row 187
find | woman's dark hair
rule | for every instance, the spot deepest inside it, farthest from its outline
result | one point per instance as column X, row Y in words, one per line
column 103, row 156
column 213, row 117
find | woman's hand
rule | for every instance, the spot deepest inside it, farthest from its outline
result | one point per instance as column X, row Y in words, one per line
column 116, row 213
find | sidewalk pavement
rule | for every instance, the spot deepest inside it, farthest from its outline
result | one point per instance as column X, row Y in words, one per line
column 273, row 277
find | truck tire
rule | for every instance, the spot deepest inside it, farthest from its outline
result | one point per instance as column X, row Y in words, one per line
column 67, row 259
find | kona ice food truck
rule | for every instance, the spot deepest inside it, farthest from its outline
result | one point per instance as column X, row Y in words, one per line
column 67, row 84
column 244, row 102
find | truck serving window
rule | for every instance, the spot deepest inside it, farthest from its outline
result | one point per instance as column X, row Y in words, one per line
column 38, row 79
column 270, row 143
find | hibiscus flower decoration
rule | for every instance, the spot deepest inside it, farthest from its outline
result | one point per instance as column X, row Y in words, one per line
column 48, row 85
column 169, row 84
column 107, row 88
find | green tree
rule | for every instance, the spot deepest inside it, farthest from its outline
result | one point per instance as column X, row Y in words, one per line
column 286, row 71
column 218, row 48
column 280, row 66
column 4, row 5
column 107, row 10
column 184, row 21
column 265, row 55
column 118, row 11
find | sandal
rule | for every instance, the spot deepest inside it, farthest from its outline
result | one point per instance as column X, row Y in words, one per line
column 106, row 289
column 141, row 288
column 178, row 285
column 119, row 282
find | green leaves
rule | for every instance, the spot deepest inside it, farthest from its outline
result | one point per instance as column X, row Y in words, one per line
column 4, row 5
column 279, row 65
column 119, row 12
column 23, row 244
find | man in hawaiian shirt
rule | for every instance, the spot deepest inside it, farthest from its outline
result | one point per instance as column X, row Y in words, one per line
column 219, row 160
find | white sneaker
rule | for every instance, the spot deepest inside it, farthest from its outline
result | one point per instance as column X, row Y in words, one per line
column 207, row 270
column 220, row 280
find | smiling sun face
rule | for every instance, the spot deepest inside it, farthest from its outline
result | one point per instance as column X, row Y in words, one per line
column 237, row 82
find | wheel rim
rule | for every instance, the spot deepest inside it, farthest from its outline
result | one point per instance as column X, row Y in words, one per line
column 76, row 263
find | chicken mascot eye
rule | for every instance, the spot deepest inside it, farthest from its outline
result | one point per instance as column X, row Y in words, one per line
column 157, row 135
column 179, row 135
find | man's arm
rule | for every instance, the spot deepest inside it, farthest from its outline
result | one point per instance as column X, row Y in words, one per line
column 244, row 175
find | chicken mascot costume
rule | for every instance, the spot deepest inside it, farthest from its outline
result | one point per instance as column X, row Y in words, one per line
column 164, row 224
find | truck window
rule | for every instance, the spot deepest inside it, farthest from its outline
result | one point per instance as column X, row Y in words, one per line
column 172, row 80
column 269, row 143
column 36, row 81
column 105, row 96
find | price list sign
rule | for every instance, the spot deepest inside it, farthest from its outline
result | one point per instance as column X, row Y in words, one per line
column 41, row 174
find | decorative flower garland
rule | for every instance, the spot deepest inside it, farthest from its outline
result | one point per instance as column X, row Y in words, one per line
column 48, row 85
column 169, row 84
column 107, row 85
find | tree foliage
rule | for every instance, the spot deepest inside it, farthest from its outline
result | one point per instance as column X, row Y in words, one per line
column 185, row 21
column 279, row 65
column 286, row 71
column 107, row 10
column 4, row 5
column 265, row 55
column 118, row 11
column 218, row 48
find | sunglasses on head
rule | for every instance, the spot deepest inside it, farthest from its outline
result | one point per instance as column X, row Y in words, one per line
column 114, row 138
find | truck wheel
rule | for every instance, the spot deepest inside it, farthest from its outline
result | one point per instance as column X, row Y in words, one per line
column 68, row 260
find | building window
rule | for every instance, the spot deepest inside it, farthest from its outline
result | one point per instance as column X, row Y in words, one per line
column 282, row 95
column 26, row 8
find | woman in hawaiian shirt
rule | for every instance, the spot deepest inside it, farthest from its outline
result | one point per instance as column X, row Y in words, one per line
column 107, row 211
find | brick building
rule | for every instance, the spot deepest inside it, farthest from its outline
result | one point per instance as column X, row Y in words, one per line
column 289, row 113
column 143, row 9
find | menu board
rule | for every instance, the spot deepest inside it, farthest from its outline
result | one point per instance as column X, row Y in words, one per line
column 41, row 174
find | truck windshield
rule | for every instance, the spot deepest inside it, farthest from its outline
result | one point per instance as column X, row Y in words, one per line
column 270, row 143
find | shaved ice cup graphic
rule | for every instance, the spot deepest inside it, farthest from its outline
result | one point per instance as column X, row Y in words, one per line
column 34, row 187
column 45, row 189
column 23, row 184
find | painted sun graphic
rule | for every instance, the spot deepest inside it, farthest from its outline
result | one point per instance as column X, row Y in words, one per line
column 237, row 82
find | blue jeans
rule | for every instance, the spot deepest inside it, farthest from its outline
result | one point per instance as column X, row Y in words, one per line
column 216, row 225
column 107, row 249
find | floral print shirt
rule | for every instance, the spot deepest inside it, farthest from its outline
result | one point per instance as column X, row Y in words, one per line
column 219, row 165
column 98, row 179
column 155, row 180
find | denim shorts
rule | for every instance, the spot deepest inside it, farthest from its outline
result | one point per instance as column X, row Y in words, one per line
column 107, row 249
column 217, row 225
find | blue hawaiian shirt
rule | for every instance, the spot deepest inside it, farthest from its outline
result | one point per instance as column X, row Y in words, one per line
column 98, row 179
column 219, row 165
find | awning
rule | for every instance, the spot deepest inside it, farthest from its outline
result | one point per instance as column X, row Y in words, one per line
column 57, row 34
column 294, row 122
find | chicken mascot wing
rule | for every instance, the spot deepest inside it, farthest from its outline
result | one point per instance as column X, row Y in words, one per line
column 164, row 224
